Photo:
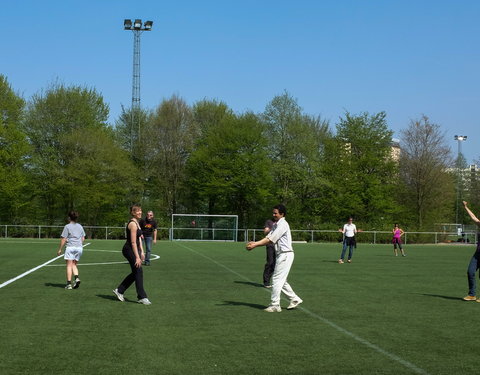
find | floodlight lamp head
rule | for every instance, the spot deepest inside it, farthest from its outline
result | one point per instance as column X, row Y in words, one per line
column 148, row 25
column 137, row 25
column 127, row 24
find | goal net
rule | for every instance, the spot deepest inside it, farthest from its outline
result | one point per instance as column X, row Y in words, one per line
column 195, row 227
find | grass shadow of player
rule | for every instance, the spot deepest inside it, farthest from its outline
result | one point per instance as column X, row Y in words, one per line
column 440, row 296
column 329, row 261
column 113, row 298
column 237, row 303
column 256, row 285
column 55, row 285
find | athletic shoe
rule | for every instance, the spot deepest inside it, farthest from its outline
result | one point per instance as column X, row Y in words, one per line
column 267, row 286
column 294, row 303
column 119, row 295
column 470, row 298
column 76, row 284
column 273, row 308
column 144, row 301
column 340, row 261
column 68, row 286
column 349, row 261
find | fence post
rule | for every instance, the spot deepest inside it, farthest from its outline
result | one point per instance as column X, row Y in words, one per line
column 374, row 237
column 106, row 233
column 436, row 238
column 6, row 231
column 39, row 231
column 405, row 238
column 311, row 231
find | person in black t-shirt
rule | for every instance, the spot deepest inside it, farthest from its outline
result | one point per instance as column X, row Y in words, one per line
column 270, row 263
column 149, row 230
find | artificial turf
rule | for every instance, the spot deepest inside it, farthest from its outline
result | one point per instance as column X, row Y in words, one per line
column 379, row 315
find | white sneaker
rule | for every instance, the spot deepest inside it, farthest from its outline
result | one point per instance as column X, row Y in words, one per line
column 76, row 284
column 273, row 308
column 144, row 301
column 294, row 303
column 68, row 286
column 119, row 295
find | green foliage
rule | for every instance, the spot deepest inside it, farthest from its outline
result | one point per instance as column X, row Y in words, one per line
column 14, row 153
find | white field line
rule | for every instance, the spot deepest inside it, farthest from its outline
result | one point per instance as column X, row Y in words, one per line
column 29, row 271
column 359, row 339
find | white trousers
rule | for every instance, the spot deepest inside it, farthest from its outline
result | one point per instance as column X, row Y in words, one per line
column 283, row 264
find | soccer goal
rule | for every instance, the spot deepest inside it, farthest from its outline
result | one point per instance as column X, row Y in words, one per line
column 196, row 227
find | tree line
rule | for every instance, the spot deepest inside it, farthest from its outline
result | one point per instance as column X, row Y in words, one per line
column 58, row 152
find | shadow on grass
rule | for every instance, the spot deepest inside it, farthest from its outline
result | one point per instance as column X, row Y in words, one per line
column 236, row 303
column 55, row 285
column 114, row 298
column 257, row 285
column 440, row 296
column 329, row 261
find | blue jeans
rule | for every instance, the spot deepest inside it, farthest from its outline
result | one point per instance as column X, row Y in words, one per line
column 148, row 248
column 348, row 242
column 472, row 270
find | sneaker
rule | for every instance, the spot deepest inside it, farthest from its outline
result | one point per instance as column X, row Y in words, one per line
column 294, row 303
column 340, row 261
column 119, row 295
column 349, row 261
column 470, row 298
column 144, row 301
column 267, row 286
column 76, row 284
column 273, row 308
column 68, row 286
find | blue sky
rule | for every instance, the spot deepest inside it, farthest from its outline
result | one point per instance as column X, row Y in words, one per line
column 404, row 57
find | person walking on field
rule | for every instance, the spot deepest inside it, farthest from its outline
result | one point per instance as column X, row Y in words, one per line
column 149, row 230
column 281, row 236
column 270, row 261
column 73, row 236
column 397, row 239
column 133, row 252
column 474, row 264
column 349, row 230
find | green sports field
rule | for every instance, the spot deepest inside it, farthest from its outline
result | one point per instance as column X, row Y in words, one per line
column 379, row 315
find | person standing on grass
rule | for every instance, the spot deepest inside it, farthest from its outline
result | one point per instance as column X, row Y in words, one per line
column 474, row 264
column 281, row 237
column 133, row 252
column 349, row 230
column 270, row 262
column 73, row 236
column 149, row 230
column 397, row 239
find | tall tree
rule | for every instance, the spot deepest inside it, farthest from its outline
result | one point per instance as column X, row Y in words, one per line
column 428, row 191
column 170, row 136
column 228, row 170
column 14, row 152
column 58, row 121
column 361, row 169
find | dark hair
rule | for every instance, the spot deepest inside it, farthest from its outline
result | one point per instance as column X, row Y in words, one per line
column 135, row 207
column 395, row 225
column 281, row 209
column 73, row 215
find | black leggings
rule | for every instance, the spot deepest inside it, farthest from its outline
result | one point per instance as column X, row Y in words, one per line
column 135, row 276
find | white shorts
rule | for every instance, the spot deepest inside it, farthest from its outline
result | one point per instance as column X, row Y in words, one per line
column 73, row 253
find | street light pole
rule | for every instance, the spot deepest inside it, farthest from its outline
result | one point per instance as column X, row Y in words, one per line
column 137, row 28
column 459, row 139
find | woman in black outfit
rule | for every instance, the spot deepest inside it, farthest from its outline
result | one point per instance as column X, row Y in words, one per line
column 133, row 252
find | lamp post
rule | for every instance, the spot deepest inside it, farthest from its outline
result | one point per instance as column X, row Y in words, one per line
column 459, row 139
column 137, row 28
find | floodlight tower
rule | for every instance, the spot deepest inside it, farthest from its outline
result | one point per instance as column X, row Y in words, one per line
column 137, row 28
column 459, row 139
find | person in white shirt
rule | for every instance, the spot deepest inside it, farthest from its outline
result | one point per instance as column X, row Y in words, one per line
column 349, row 230
column 281, row 237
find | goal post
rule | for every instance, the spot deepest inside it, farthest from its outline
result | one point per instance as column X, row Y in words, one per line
column 199, row 227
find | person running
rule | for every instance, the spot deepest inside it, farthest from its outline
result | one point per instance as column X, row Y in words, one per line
column 73, row 236
column 349, row 230
column 281, row 236
column 397, row 239
column 133, row 252
column 474, row 264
